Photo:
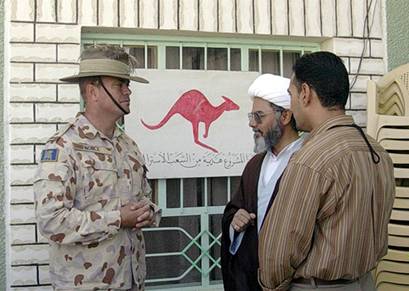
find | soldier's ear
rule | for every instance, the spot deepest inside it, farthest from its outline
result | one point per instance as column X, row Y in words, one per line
column 91, row 91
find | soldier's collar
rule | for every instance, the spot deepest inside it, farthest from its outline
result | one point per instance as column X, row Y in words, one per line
column 87, row 131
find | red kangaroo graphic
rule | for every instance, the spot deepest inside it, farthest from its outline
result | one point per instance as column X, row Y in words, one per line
column 195, row 108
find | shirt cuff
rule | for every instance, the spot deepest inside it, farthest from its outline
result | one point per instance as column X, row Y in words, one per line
column 113, row 221
column 235, row 239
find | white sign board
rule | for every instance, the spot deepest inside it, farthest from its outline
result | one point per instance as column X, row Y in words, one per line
column 192, row 123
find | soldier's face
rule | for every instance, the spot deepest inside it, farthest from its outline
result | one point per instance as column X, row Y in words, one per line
column 119, row 90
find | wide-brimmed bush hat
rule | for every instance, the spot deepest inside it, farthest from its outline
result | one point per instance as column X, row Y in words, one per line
column 100, row 64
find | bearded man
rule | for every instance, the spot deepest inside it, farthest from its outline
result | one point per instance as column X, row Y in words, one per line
column 276, row 139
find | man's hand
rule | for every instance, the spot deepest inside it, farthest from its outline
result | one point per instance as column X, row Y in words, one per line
column 242, row 219
column 136, row 215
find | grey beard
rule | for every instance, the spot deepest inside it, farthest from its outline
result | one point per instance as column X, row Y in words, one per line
column 262, row 144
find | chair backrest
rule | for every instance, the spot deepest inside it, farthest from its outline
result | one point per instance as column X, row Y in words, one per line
column 388, row 123
column 388, row 97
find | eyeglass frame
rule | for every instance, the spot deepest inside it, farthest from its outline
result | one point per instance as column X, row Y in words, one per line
column 257, row 116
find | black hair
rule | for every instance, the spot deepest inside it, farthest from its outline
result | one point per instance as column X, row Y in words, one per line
column 326, row 74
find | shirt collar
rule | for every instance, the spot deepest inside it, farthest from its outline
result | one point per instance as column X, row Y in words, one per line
column 287, row 147
column 87, row 130
column 330, row 122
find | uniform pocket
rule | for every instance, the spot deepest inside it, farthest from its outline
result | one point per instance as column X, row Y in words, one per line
column 99, row 178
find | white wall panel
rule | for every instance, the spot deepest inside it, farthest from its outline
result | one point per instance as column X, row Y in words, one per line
column 128, row 13
column 244, row 16
column 296, row 17
column 227, row 16
column 328, row 15
column 262, row 16
column 208, row 13
column 344, row 18
column 168, row 14
column 108, row 13
column 188, row 14
column 313, row 17
column 148, row 13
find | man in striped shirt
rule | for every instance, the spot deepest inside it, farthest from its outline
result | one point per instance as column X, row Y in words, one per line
column 327, row 227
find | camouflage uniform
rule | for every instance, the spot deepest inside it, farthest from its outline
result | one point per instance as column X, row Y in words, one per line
column 82, row 181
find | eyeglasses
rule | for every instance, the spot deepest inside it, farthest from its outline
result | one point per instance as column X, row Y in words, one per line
column 259, row 115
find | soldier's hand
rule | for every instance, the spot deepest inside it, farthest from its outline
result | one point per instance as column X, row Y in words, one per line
column 144, row 213
column 146, row 218
column 242, row 219
column 128, row 215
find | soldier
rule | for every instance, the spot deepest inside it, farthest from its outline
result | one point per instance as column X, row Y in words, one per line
column 91, row 191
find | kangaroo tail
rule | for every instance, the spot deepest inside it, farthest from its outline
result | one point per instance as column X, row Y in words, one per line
column 162, row 122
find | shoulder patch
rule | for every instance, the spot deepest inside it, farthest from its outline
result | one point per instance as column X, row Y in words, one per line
column 49, row 155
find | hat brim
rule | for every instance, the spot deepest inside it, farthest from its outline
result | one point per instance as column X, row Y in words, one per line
column 76, row 78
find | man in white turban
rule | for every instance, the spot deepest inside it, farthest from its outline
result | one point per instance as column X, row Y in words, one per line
column 276, row 139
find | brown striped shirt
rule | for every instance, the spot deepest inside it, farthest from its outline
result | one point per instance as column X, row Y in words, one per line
column 330, row 216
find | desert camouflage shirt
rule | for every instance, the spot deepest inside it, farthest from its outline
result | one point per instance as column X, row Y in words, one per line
column 82, row 181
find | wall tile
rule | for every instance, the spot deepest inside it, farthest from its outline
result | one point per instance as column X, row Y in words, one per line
column 30, row 254
column 245, row 16
column 21, row 72
column 51, row 112
column 279, row 17
column 328, row 15
column 58, row 33
column 188, row 14
column 22, row 213
column 87, row 12
column 358, row 17
column 69, row 53
column 128, row 13
column 21, row 32
column 208, row 15
column 108, row 13
column 22, row 194
column 23, row 52
column 22, row 10
column 369, row 66
column 67, row 11
column 31, row 133
column 53, row 72
column 46, row 11
column 23, row 275
column 21, row 112
column 227, row 16
column 22, row 234
column 296, row 16
column 33, row 92
column 344, row 26
column 313, row 17
column 20, row 154
column 68, row 93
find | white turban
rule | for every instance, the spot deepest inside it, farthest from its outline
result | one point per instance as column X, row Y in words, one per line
column 271, row 88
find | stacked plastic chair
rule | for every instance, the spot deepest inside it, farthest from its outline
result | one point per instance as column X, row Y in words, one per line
column 388, row 122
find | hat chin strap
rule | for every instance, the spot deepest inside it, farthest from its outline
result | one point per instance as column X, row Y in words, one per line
column 112, row 98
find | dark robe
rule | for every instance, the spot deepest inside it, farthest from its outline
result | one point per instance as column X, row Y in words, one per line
column 240, row 271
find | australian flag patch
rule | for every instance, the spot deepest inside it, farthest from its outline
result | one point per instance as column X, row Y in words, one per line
column 49, row 155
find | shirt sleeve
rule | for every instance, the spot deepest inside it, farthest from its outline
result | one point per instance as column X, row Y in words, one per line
column 58, row 220
column 286, row 235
